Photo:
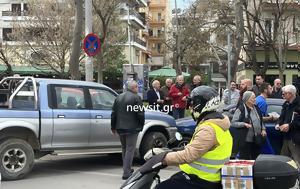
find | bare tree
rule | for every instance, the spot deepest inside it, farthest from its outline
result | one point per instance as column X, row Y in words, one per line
column 197, row 26
column 110, row 32
column 4, row 58
column 76, row 48
column 261, row 34
column 44, row 37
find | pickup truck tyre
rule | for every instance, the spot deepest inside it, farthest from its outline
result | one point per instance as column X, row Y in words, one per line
column 185, row 140
column 152, row 140
column 16, row 159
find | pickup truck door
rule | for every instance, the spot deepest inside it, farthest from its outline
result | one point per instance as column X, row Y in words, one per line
column 71, row 117
column 102, row 101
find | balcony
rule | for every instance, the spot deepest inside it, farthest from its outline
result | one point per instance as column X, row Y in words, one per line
column 159, row 37
column 137, row 19
column 138, row 43
column 14, row 13
column 161, row 4
column 156, row 21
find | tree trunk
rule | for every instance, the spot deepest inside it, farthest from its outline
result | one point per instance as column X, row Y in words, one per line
column 100, row 68
column 8, row 70
column 76, row 49
column 239, row 37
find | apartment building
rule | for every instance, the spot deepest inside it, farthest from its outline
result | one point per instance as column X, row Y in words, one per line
column 10, row 11
column 289, row 31
column 134, row 21
column 158, row 20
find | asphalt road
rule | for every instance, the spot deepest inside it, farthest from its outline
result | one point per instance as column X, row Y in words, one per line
column 74, row 172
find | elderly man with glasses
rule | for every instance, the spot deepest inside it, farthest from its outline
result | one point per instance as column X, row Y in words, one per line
column 289, row 126
column 277, row 89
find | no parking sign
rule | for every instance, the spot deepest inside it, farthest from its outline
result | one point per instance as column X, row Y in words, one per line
column 91, row 44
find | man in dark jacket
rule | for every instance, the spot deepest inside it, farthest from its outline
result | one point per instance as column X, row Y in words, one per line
column 127, row 119
column 155, row 96
column 277, row 90
column 287, row 124
column 259, row 80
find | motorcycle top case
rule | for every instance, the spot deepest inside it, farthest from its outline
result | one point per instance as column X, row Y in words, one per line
column 276, row 172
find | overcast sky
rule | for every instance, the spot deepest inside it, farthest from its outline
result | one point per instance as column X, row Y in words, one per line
column 182, row 4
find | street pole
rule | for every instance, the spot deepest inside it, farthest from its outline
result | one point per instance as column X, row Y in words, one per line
column 229, row 66
column 129, row 39
column 178, row 67
column 89, row 70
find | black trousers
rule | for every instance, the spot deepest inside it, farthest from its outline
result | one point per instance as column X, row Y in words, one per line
column 182, row 180
column 249, row 151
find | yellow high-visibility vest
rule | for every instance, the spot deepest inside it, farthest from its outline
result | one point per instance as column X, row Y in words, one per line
column 208, row 167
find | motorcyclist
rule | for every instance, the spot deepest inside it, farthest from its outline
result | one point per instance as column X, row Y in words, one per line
column 210, row 147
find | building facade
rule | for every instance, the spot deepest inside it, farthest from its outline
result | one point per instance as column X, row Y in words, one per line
column 287, row 38
column 134, row 21
column 158, row 19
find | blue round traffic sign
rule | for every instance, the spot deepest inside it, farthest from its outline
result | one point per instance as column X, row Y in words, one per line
column 91, row 44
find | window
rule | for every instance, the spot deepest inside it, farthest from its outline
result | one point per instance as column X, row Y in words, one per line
column 102, row 99
column 159, row 16
column 6, row 34
column 159, row 47
column 268, row 26
column 16, row 8
column 69, row 98
column 25, row 7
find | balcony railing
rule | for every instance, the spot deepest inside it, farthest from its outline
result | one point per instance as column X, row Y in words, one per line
column 138, row 40
column 140, row 16
column 14, row 13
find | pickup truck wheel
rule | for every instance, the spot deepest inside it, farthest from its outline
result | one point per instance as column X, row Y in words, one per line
column 17, row 159
column 152, row 140
column 185, row 140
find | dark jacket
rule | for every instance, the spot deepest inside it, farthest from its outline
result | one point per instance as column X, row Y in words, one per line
column 128, row 115
column 276, row 94
column 165, row 91
column 152, row 97
column 286, row 117
column 256, row 90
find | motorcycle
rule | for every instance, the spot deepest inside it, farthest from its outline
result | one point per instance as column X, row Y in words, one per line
column 145, row 180
column 274, row 171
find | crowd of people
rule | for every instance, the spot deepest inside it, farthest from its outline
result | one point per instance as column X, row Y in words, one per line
column 176, row 95
column 247, row 125
column 249, row 115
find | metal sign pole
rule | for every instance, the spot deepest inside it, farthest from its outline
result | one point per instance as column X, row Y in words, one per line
column 89, row 70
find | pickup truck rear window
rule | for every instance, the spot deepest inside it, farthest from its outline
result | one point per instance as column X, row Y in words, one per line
column 69, row 98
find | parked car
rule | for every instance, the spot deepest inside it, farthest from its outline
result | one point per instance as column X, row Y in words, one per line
column 49, row 116
column 186, row 126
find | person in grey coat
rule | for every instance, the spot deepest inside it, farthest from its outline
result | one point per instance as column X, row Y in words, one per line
column 247, row 117
column 127, row 119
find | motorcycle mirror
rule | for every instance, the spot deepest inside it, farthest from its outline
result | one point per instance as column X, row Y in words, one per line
column 178, row 136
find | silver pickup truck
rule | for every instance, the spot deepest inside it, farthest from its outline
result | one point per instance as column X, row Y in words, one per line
column 51, row 116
